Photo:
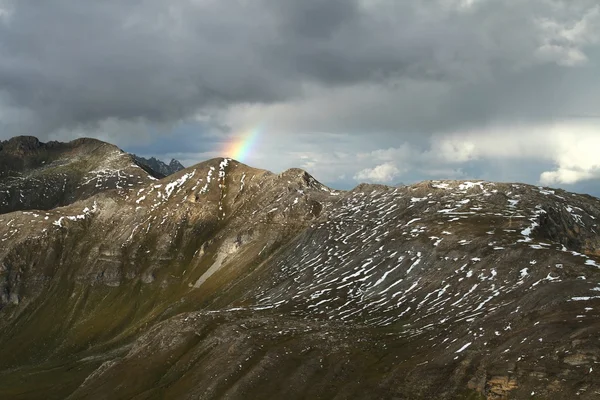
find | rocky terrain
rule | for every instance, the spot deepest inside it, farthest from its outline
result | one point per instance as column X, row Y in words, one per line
column 225, row 281
column 160, row 167
column 36, row 175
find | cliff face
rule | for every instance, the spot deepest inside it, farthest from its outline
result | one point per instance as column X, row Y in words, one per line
column 224, row 281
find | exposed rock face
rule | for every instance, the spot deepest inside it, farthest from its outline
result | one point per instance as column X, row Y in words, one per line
column 500, row 387
column 564, row 225
column 42, row 176
column 159, row 167
column 224, row 281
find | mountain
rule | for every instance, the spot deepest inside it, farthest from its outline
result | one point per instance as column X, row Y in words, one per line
column 225, row 281
column 42, row 176
column 160, row 167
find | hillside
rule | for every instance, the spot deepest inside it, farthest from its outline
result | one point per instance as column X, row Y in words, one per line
column 225, row 281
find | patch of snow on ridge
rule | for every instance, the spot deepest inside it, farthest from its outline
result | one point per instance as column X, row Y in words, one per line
column 177, row 183
column 463, row 347
column 242, row 183
column 441, row 185
column 412, row 220
column 534, row 224
column 222, row 165
column 470, row 185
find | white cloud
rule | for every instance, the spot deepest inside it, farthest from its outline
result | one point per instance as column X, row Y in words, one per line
column 383, row 173
column 567, row 176
column 576, row 157
column 571, row 146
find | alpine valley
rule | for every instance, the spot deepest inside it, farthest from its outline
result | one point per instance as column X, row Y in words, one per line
column 222, row 281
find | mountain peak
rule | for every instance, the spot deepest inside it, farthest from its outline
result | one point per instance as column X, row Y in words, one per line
column 162, row 169
column 25, row 147
column 175, row 165
column 38, row 175
column 20, row 144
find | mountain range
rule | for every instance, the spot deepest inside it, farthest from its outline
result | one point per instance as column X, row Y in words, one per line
column 226, row 281
column 160, row 167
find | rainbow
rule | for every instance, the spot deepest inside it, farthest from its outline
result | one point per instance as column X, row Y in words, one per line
column 239, row 148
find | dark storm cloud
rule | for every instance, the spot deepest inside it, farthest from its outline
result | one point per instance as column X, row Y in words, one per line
column 68, row 63
column 72, row 63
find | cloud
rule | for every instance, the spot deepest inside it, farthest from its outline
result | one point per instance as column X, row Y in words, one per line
column 70, row 65
column 569, row 148
column 576, row 158
column 384, row 173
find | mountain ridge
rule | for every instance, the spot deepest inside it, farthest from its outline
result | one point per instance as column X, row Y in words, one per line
column 223, row 280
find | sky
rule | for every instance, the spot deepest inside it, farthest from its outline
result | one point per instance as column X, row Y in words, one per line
column 382, row 91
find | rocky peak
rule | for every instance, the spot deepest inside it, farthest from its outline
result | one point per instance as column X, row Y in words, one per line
column 175, row 165
column 20, row 145
column 26, row 146
column 37, row 175
column 159, row 167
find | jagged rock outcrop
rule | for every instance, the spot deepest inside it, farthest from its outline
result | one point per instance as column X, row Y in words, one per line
column 225, row 281
column 160, row 168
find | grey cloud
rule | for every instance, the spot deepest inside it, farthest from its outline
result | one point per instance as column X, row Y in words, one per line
column 74, row 64
column 314, row 19
column 71, row 64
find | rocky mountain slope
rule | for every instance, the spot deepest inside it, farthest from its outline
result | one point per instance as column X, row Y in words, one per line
column 225, row 281
column 36, row 175
column 160, row 167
